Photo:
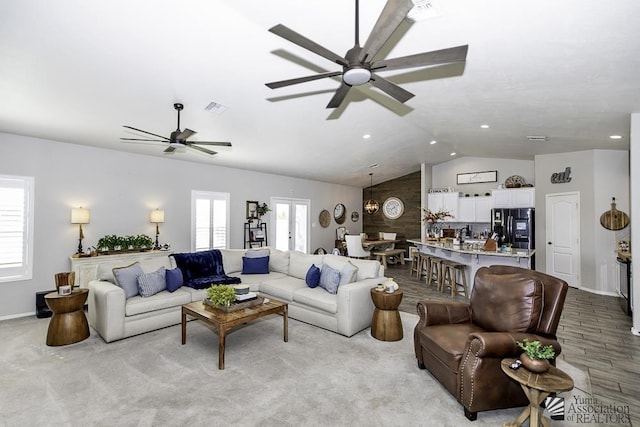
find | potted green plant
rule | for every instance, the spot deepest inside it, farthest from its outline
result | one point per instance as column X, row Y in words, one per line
column 221, row 295
column 536, row 356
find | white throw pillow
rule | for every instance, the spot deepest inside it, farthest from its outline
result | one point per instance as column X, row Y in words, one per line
column 279, row 261
column 232, row 260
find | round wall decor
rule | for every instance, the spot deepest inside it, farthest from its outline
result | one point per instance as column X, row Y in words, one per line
column 355, row 216
column 325, row 218
column 339, row 213
column 393, row 208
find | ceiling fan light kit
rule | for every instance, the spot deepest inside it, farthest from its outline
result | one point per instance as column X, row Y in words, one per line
column 358, row 67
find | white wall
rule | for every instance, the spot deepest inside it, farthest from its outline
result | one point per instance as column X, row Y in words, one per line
column 120, row 189
column 598, row 175
column 445, row 174
column 635, row 208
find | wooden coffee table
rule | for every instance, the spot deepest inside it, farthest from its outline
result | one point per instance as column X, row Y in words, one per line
column 220, row 322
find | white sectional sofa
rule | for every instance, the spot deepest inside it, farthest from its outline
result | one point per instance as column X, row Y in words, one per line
column 349, row 311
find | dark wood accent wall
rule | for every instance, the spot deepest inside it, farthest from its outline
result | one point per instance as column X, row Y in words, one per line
column 405, row 188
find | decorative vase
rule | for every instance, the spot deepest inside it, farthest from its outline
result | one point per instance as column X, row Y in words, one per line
column 539, row 366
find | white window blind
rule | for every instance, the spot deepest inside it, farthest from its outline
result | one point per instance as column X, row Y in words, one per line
column 16, row 228
column 209, row 220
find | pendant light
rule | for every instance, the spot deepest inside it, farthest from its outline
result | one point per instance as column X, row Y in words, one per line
column 371, row 206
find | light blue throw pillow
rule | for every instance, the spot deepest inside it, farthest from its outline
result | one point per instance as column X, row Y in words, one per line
column 152, row 283
column 348, row 273
column 127, row 278
column 329, row 279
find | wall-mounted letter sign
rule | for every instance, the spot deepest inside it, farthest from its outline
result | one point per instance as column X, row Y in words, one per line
column 561, row 177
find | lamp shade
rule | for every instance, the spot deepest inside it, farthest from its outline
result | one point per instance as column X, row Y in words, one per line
column 80, row 216
column 157, row 216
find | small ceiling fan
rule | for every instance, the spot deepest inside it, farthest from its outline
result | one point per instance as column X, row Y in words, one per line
column 178, row 138
column 358, row 66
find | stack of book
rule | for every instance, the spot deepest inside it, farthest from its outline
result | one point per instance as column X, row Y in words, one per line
column 246, row 297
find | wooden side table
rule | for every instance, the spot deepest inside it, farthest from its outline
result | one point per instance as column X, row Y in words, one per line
column 386, row 324
column 536, row 387
column 68, row 324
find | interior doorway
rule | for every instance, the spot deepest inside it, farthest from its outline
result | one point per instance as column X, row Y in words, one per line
column 290, row 222
column 563, row 236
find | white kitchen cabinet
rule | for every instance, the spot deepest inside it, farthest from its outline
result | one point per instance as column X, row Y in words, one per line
column 514, row 197
column 474, row 209
column 438, row 202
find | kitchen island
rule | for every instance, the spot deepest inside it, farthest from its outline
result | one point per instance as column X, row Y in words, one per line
column 474, row 258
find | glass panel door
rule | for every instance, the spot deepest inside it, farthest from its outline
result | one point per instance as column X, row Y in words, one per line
column 291, row 224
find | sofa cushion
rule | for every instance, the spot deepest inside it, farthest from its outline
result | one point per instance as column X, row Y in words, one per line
column 329, row 279
column 127, row 278
column 313, row 276
column 367, row 269
column 300, row 262
column 255, row 265
column 159, row 301
column 174, row 279
column 232, row 259
column 317, row 298
column 282, row 288
column 279, row 261
column 104, row 271
column 257, row 253
column 348, row 273
column 506, row 302
column 151, row 283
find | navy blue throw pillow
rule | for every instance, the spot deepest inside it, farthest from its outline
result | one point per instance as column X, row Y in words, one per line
column 255, row 265
column 174, row 279
column 313, row 276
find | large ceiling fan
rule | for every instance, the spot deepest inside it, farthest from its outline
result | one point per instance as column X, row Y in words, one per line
column 178, row 138
column 358, row 66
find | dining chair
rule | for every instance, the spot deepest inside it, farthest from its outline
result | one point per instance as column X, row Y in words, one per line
column 354, row 247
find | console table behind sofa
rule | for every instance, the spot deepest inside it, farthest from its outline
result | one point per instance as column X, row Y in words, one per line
column 86, row 267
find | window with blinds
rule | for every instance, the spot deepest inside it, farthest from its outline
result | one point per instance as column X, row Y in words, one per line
column 209, row 220
column 16, row 228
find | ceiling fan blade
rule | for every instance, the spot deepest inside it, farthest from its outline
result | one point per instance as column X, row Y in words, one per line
column 185, row 134
column 436, row 57
column 341, row 93
column 295, row 81
column 144, row 131
column 217, row 143
column 302, row 41
column 145, row 140
column 391, row 88
column 204, row 150
column 392, row 15
column 170, row 149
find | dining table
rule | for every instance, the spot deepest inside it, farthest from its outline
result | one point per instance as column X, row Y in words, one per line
column 378, row 243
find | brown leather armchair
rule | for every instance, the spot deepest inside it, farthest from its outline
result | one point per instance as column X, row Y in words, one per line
column 462, row 344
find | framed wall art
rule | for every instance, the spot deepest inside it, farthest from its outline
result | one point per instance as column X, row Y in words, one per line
column 252, row 209
column 477, row 177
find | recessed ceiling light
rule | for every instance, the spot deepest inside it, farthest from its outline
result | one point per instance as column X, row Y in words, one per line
column 366, row 136
column 537, row 138
column 484, row 126
column 616, row 137
column 433, row 142
column 453, row 154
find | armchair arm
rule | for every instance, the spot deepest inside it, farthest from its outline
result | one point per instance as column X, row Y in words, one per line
column 442, row 313
column 504, row 344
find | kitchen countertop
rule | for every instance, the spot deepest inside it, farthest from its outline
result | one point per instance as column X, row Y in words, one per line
column 513, row 253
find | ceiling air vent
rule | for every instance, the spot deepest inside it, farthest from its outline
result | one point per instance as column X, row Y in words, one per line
column 537, row 138
column 215, row 108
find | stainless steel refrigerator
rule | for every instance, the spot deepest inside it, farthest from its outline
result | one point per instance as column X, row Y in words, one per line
column 516, row 227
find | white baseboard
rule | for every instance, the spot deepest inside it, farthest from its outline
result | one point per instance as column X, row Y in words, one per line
column 15, row 316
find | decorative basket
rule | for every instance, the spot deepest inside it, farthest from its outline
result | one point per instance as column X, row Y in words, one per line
column 235, row 306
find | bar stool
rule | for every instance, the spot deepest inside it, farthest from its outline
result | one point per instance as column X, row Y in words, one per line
column 435, row 272
column 419, row 264
column 451, row 270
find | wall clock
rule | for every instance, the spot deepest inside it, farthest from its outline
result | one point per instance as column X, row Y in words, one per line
column 339, row 213
column 393, row 208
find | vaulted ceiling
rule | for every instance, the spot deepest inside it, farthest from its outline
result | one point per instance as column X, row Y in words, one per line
column 77, row 71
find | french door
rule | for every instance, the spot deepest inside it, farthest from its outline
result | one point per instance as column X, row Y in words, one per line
column 290, row 222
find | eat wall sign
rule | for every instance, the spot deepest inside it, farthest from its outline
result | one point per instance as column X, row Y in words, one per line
column 561, row 177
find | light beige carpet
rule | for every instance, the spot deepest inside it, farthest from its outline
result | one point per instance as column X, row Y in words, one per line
column 318, row 378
